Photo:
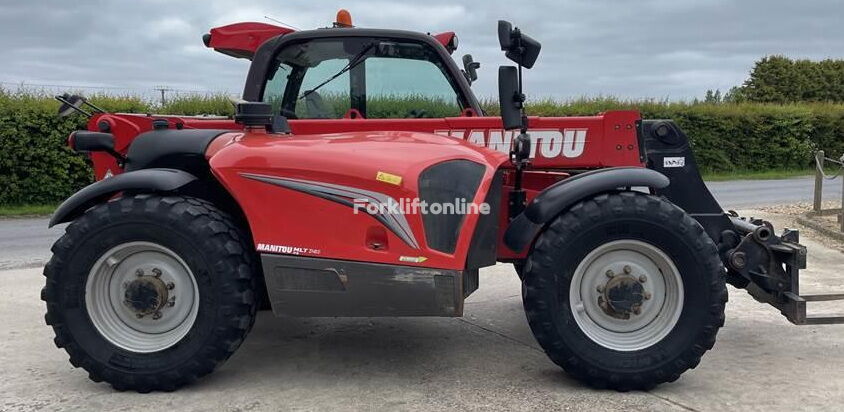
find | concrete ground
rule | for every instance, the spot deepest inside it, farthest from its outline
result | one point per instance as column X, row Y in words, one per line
column 485, row 360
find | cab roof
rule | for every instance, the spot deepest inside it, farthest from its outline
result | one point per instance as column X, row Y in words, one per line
column 242, row 40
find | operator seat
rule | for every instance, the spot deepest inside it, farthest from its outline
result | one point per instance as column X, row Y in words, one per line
column 315, row 106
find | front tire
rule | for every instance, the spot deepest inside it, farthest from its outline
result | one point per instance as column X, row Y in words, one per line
column 149, row 292
column 624, row 291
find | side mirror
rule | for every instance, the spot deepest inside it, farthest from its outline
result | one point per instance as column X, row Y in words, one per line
column 470, row 68
column 71, row 105
column 518, row 47
column 74, row 103
column 509, row 97
column 505, row 34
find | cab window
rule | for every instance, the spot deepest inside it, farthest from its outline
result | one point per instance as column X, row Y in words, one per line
column 376, row 78
column 398, row 88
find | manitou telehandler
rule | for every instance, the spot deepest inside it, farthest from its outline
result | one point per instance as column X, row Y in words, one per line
column 310, row 202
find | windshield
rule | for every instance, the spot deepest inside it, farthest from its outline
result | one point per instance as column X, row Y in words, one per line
column 370, row 77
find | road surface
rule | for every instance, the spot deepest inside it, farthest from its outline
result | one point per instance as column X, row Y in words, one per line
column 737, row 194
column 26, row 242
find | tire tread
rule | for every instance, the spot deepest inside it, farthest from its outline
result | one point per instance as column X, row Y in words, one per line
column 540, row 275
column 218, row 234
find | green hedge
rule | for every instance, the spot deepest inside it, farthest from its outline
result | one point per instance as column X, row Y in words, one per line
column 731, row 136
column 37, row 167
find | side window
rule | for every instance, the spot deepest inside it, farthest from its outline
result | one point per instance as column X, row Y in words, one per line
column 287, row 91
column 276, row 85
column 332, row 100
column 399, row 88
column 378, row 78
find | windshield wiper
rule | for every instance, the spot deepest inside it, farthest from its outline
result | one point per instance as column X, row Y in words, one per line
column 354, row 61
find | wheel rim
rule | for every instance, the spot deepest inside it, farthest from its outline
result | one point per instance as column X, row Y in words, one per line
column 626, row 295
column 141, row 297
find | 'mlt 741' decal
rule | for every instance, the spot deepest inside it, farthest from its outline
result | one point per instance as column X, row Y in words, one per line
column 548, row 143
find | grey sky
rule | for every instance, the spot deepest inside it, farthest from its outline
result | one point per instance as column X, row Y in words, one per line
column 672, row 49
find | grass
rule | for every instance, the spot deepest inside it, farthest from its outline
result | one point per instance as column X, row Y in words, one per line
column 26, row 210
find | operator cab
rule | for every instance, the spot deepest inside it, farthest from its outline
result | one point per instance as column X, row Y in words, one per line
column 359, row 73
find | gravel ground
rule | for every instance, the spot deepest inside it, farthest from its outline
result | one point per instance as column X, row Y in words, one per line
column 788, row 215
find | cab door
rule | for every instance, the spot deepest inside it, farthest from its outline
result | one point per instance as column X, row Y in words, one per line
column 345, row 84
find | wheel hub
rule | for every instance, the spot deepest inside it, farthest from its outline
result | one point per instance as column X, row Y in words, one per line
column 146, row 295
column 622, row 296
column 141, row 296
column 626, row 295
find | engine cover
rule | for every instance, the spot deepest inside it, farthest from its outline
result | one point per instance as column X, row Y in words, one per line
column 360, row 196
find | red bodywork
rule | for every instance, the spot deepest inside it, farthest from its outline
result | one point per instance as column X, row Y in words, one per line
column 242, row 39
column 352, row 152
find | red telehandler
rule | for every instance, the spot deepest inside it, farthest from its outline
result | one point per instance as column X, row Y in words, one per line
column 361, row 177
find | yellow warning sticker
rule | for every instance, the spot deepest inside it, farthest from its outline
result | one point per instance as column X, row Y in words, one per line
column 413, row 259
column 388, row 178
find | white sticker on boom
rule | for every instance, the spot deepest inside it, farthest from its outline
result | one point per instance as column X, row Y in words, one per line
column 673, row 162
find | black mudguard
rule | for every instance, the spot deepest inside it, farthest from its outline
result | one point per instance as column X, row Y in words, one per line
column 560, row 196
column 153, row 180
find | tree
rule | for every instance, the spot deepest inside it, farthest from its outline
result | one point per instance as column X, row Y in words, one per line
column 712, row 96
column 779, row 79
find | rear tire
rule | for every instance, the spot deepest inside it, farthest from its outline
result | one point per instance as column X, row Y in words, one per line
column 625, row 291
column 149, row 292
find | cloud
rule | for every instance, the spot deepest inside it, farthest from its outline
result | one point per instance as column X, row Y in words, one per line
column 649, row 48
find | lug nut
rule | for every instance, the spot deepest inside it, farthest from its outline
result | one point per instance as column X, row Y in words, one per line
column 637, row 311
column 156, row 272
column 647, row 295
column 600, row 288
column 627, row 269
column 139, row 315
column 156, row 315
column 139, row 272
column 610, row 273
column 171, row 285
column 643, row 279
column 171, row 302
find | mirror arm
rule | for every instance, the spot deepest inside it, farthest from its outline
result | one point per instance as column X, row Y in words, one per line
column 522, row 99
column 520, row 156
column 91, row 105
column 62, row 99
